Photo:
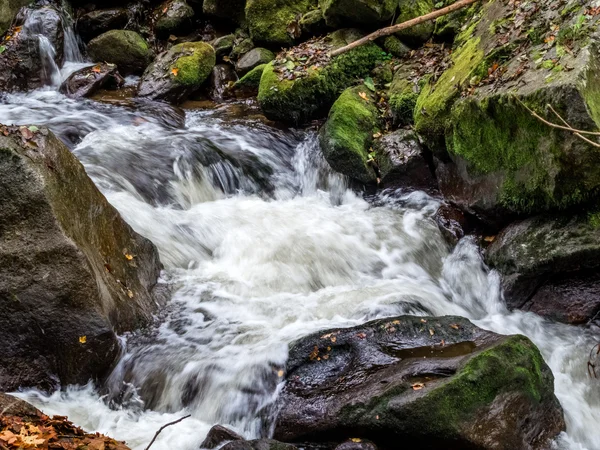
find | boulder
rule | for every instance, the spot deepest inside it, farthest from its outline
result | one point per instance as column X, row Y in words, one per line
column 223, row 45
column 127, row 49
column 409, row 9
column 427, row 382
column 312, row 23
column 178, row 72
column 241, row 46
column 475, row 117
column 255, row 57
column 219, row 435
column 347, row 135
column 396, row 47
column 85, row 82
column 346, row 13
column 275, row 22
column 299, row 98
column 258, row 444
column 221, row 77
column 248, row 84
column 8, row 11
column 402, row 162
column 550, row 265
column 225, row 9
column 452, row 223
column 173, row 16
column 403, row 93
column 72, row 272
column 356, row 444
column 33, row 50
column 99, row 21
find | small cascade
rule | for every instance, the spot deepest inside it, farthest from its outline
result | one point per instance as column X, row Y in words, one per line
column 50, row 71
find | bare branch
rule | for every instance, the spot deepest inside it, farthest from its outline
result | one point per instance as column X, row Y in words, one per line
column 577, row 133
column 163, row 427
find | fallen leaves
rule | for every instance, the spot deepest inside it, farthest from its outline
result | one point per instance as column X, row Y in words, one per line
column 417, row 386
column 298, row 61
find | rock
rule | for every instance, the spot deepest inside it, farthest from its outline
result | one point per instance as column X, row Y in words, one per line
column 449, row 26
column 34, row 52
column 223, row 45
column 99, row 21
column 72, row 272
column 402, row 163
column 428, row 382
column 241, row 47
column 178, row 72
column 248, row 84
column 409, row 9
column 252, row 59
column 313, row 23
column 550, row 265
column 356, row 444
column 346, row 13
column 8, row 11
column 85, row 82
column 307, row 98
column 13, row 406
column 225, row 9
column 347, row 135
column 127, row 49
column 275, row 22
column 221, row 76
column 218, row 435
column 452, row 222
column 502, row 158
column 395, row 46
column 173, row 16
column 403, row 94
column 258, row 444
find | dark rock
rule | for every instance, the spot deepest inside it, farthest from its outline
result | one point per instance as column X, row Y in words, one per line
column 127, row 49
column 35, row 50
column 402, row 162
column 248, row 85
column 275, row 22
column 241, row 47
column 173, row 16
column 99, row 21
column 218, row 435
column 13, row 406
column 220, row 78
column 410, row 9
column 452, row 223
column 225, row 9
column 313, row 23
column 428, row 382
column 252, row 59
column 356, row 444
column 178, row 72
column 223, row 45
column 550, row 265
column 8, row 11
column 85, row 82
column 358, row 12
column 72, row 272
column 258, row 444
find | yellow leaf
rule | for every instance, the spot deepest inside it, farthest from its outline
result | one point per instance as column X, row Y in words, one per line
column 417, row 386
column 455, row 326
column 280, row 373
column 431, row 332
column 423, row 321
column 489, row 238
column 128, row 256
column 82, row 339
column 333, row 339
column 364, row 96
column 96, row 69
column 356, row 440
column 129, row 293
column 174, row 71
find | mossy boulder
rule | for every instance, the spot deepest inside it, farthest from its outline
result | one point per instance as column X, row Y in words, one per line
column 225, row 9
column 347, row 135
column 173, row 16
column 8, row 11
column 248, row 84
column 272, row 22
column 223, row 45
column 395, row 46
column 339, row 13
column 403, row 94
column 310, row 97
column 127, row 49
column 392, row 381
column 255, row 57
column 99, row 21
column 475, row 116
column 178, row 72
column 409, row 9
column 241, row 46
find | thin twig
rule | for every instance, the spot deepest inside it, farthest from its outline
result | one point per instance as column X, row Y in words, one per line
column 163, row 427
column 401, row 26
column 577, row 133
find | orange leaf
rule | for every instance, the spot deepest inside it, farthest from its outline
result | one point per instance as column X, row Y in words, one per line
column 364, row 96
column 96, row 69
column 174, row 71
column 418, row 386
column 455, row 326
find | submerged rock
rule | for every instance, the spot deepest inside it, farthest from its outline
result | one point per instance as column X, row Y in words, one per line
column 275, row 22
column 550, row 265
column 100, row 21
column 252, row 59
column 428, row 382
column 72, row 272
column 178, row 72
column 127, row 49
column 173, row 16
column 358, row 12
column 85, row 82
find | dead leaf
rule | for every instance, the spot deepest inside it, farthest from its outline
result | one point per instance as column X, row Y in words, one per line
column 128, row 257
column 174, row 71
column 82, row 339
column 431, row 332
column 417, row 386
column 361, row 335
column 129, row 293
column 377, row 135
column 314, row 354
column 364, row 96
column 455, row 326
column 357, row 440
column 96, row 69
column 489, row 238
column 280, row 373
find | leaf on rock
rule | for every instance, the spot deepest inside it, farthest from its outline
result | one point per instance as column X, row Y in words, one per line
column 417, row 386
column 364, row 96
column 82, row 339
column 174, row 71
column 370, row 84
column 455, row 326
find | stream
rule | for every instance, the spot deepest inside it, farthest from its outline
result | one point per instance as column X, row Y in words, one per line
column 262, row 244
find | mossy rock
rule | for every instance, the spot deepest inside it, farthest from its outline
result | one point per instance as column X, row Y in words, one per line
column 347, row 135
column 173, row 16
column 249, row 83
column 225, row 9
column 8, row 11
column 255, row 57
column 241, row 46
column 303, row 99
column 127, row 49
column 178, row 72
column 409, row 9
column 395, row 46
column 403, row 94
column 269, row 21
column 358, row 12
column 223, row 45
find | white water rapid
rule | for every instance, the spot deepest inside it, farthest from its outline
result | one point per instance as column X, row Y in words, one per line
column 263, row 244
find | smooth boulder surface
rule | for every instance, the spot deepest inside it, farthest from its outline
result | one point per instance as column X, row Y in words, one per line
column 27, row 61
column 99, row 21
column 223, row 45
column 252, row 59
column 276, row 22
column 127, row 49
column 358, row 12
column 427, row 382
column 85, row 82
column 72, row 272
column 173, row 16
column 551, row 265
column 178, row 72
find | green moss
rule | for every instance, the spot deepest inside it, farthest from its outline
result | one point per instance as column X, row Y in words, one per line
column 395, row 46
column 127, row 49
column 196, row 64
column 339, row 13
column 268, row 20
column 252, row 79
column 177, row 13
column 409, row 9
column 594, row 220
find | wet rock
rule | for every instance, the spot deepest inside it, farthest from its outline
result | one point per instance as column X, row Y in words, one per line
column 8, row 11
column 99, row 21
column 358, row 12
column 178, row 72
column 223, row 45
column 356, row 444
column 550, row 265
column 221, row 77
column 72, row 272
column 409, row 9
column 347, row 135
column 218, row 435
column 85, row 82
column 34, row 52
column 173, row 16
column 302, row 99
column 241, row 46
column 225, row 9
column 127, row 49
column 258, row 444
column 402, row 163
column 248, row 84
column 452, row 222
column 436, row 383
column 275, row 22
column 13, row 406
column 252, row 59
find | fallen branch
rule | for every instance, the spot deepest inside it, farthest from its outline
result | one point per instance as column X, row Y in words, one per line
column 402, row 26
column 577, row 132
column 163, row 427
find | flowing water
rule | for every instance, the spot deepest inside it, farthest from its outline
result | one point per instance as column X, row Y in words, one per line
column 262, row 243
